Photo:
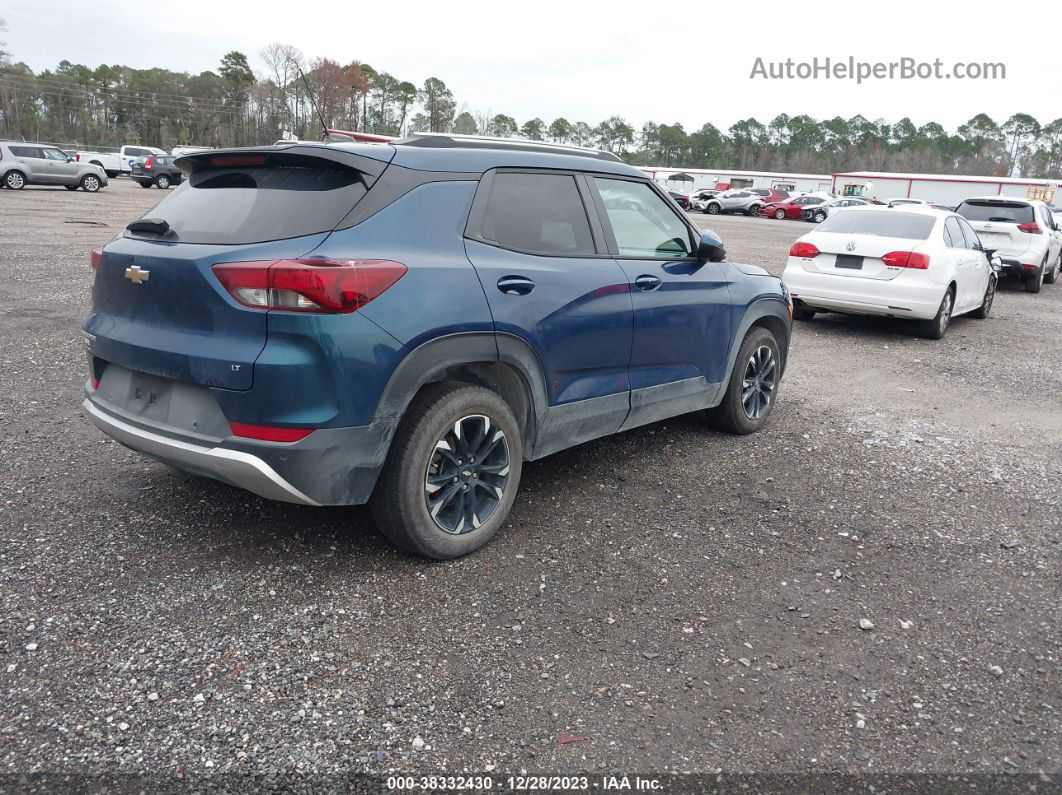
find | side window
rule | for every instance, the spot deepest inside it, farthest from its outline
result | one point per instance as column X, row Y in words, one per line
column 642, row 222
column 132, row 151
column 953, row 235
column 537, row 213
column 972, row 241
column 54, row 154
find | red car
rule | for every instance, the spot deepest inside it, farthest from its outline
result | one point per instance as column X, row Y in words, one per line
column 790, row 208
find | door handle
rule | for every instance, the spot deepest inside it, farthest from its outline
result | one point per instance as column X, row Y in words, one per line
column 515, row 285
column 647, row 282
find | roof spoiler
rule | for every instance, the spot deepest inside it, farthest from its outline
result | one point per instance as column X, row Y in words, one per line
column 300, row 151
column 332, row 135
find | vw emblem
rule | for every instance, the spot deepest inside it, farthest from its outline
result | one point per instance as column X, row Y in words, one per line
column 850, row 246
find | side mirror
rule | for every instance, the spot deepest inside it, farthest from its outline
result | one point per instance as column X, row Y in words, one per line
column 711, row 248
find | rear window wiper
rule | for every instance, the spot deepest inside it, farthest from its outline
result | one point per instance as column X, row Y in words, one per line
column 156, row 226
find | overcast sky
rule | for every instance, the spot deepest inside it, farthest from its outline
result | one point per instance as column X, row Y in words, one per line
column 688, row 63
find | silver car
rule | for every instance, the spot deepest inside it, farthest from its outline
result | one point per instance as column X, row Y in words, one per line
column 23, row 164
column 734, row 201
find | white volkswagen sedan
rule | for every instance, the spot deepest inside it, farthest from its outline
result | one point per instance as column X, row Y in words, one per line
column 912, row 262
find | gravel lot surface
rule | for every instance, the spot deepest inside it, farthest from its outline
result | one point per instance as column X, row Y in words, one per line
column 873, row 584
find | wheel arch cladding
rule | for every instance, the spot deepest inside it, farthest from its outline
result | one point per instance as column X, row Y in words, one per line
column 771, row 313
column 504, row 364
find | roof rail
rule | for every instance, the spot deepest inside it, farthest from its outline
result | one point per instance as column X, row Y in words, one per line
column 452, row 140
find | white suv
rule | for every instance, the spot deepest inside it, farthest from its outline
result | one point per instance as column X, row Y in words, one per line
column 1024, row 234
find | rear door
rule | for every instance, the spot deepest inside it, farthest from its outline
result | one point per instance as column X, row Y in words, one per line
column 967, row 276
column 32, row 163
column 550, row 282
column 157, row 305
column 682, row 311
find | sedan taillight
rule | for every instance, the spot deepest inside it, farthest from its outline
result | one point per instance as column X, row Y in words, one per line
column 808, row 250
column 906, row 259
column 322, row 286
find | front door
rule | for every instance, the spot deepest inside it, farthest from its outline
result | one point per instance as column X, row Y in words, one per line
column 682, row 312
column 551, row 283
column 61, row 169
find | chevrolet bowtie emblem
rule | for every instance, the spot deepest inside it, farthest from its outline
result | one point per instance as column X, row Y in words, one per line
column 136, row 275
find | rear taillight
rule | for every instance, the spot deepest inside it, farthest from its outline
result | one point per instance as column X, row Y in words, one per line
column 95, row 383
column 804, row 250
column 324, row 286
column 97, row 255
column 77, row 156
column 269, row 433
column 1030, row 229
column 149, row 163
column 906, row 259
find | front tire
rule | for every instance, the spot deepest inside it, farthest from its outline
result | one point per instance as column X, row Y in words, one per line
column 986, row 303
column 753, row 386
column 71, row 187
column 934, row 329
column 90, row 183
column 452, row 473
column 711, row 209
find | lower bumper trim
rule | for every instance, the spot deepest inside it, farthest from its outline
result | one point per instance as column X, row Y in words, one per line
column 234, row 467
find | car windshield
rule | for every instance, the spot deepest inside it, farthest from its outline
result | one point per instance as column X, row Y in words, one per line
column 997, row 212
column 880, row 224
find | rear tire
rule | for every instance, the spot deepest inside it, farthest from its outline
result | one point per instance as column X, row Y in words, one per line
column 753, row 387
column 1035, row 281
column 15, row 180
column 934, row 329
column 454, row 516
column 986, row 303
column 819, row 217
column 801, row 312
column 1052, row 277
column 779, row 214
column 162, row 181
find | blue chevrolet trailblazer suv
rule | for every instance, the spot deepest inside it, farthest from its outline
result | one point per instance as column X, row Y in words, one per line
column 405, row 324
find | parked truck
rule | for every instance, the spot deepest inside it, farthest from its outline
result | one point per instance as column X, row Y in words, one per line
column 120, row 162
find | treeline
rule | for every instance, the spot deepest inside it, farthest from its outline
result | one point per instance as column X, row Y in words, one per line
column 234, row 106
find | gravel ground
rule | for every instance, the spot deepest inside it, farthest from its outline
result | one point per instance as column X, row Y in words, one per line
column 870, row 585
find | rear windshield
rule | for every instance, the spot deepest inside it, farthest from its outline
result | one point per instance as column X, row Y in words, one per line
column 286, row 197
column 880, row 223
column 998, row 212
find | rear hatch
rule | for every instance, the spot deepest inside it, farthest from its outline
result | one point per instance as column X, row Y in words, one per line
column 852, row 243
column 158, row 307
column 137, row 166
column 996, row 222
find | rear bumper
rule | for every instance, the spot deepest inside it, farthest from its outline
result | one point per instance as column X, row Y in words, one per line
column 1017, row 269
column 331, row 466
column 850, row 294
